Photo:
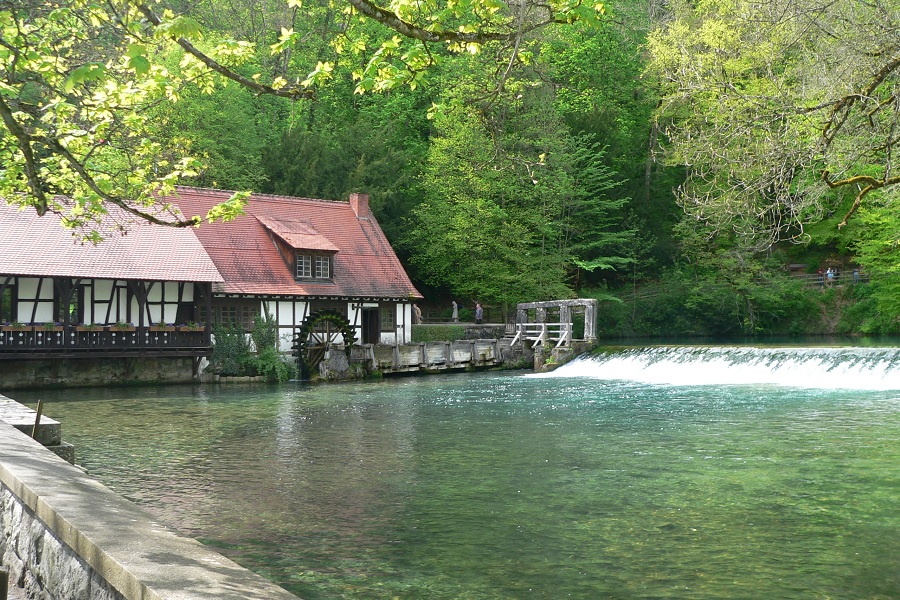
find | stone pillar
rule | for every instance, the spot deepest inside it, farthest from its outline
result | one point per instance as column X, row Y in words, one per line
column 590, row 320
column 565, row 315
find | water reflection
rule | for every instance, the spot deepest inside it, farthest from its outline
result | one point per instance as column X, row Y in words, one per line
column 503, row 486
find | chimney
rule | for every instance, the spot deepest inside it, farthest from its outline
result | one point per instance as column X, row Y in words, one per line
column 360, row 205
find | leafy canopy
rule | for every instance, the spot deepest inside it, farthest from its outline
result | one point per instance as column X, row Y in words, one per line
column 778, row 107
column 81, row 83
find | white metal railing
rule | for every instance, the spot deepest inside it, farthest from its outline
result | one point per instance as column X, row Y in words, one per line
column 541, row 333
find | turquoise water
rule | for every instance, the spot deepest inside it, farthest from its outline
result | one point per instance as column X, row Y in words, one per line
column 607, row 479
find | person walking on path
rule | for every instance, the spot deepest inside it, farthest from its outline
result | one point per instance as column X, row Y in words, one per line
column 479, row 313
column 455, row 312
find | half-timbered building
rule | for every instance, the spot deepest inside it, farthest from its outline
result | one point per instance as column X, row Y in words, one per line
column 303, row 260
column 64, row 298
column 322, row 269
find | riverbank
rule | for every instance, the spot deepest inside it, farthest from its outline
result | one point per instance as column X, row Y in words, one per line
column 65, row 535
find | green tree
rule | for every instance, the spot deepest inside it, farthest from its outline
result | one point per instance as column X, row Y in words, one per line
column 223, row 131
column 79, row 81
column 344, row 142
column 468, row 235
column 776, row 108
column 515, row 205
column 877, row 246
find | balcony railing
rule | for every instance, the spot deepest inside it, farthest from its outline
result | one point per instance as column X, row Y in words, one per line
column 41, row 339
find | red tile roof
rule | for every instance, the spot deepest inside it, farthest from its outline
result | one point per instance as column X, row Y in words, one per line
column 298, row 234
column 41, row 247
column 365, row 265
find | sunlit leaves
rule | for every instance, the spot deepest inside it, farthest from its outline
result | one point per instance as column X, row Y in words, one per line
column 286, row 39
column 84, row 73
column 319, row 75
column 81, row 82
column 230, row 209
column 179, row 27
column 759, row 104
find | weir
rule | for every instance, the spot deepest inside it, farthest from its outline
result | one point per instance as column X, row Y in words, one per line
column 860, row 368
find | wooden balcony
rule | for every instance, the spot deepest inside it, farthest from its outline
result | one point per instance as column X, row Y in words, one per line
column 39, row 341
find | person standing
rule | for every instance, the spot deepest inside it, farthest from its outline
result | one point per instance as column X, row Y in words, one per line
column 455, row 312
column 479, row 313
column 417, row 314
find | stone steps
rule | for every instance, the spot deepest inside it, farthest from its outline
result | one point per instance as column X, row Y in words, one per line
column 49, row 431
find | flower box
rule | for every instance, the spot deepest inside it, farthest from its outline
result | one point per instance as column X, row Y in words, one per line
column 122, row 328
column 18, row 328
column 192, row 328
column 89, row 328
column 162, row 328
column 49, row 328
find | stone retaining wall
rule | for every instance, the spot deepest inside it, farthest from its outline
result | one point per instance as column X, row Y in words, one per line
column 64, row 536
column 96, row 370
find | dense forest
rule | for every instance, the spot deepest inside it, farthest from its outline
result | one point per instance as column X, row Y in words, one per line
column 693, row 165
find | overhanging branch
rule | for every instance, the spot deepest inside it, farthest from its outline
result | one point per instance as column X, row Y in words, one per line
column 294, row 93
column 79, row 168
column 393, row 21
column 23, row 140
column 866, row 184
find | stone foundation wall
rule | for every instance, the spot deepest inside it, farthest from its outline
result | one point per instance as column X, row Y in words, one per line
column 64, row 536
column 39, row 563
column 75, row 372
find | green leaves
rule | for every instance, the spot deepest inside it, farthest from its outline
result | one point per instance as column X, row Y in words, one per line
column 761, row 106
column 179, row 27
column 88, row 84
column 83, row 74
column 230, row 209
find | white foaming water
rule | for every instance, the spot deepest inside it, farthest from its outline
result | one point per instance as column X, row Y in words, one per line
column 849, row 368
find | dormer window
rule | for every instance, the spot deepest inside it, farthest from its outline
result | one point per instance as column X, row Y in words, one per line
column 304, row 250
column 313, row 266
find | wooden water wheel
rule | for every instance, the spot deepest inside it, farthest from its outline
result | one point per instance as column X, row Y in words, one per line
column 320, row 332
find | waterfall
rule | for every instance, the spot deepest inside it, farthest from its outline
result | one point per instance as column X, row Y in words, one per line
column 846, row 367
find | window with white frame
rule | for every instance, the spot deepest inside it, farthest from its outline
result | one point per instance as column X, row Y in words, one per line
column 323, row 267
column 313, row 266
column 304, row 266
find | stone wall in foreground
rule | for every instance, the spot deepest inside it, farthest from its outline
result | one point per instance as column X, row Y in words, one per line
column 64, row 536
column 39, row 563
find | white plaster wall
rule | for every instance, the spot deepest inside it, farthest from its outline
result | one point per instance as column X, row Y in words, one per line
column 168, row 312
column 28, row 287
column 290, row 316
column 96, row 312
column 404, row 322
column 354, row 316
column 136, row 313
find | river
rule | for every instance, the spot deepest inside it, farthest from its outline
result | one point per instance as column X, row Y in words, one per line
column 665, row 472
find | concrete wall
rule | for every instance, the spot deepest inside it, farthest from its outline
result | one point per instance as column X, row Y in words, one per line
column 72, row 372
column 64, row 536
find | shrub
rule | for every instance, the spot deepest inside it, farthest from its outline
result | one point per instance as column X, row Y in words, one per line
column 231, row 350
column 273, row 366
column 438, row 333
column 265, row 332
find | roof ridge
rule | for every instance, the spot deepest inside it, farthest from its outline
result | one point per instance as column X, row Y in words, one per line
column 261, row 196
